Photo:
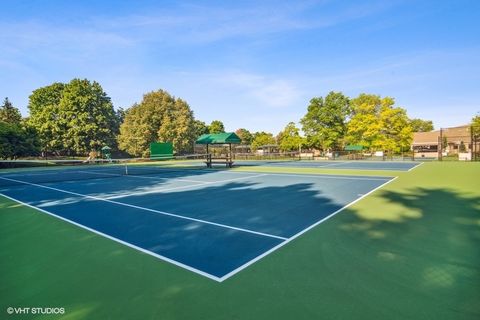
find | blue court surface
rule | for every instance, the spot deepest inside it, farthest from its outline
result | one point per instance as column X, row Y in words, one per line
column 214, row 223
column 337, row 164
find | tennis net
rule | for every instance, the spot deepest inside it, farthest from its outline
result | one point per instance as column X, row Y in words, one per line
column 46, row 171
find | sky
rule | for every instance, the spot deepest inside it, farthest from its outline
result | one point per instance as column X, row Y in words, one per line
column 250, row 64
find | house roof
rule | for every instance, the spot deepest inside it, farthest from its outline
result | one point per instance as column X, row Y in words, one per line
column 453, row 135
column 219, row 138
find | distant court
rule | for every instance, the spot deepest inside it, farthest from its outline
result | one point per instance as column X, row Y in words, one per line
column 338, row 164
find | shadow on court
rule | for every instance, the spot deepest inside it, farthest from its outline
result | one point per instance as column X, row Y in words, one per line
column 423, row 252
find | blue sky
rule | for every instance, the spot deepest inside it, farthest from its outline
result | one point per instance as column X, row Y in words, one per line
column 251, row 64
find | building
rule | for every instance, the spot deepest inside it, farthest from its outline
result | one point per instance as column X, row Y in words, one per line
column 443, row 142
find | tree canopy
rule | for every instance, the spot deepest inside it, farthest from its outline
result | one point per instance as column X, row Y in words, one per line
column 325, row 123
column 262, row 139
column 289, row 138
column 73, row 118
column 419, row 125
column 216, row 127
column 200, row 128
column 17, row 138
column 245, row 135
column 159, row 117
column 476, row 125
column 8, row 113
column 17, row 141
column 78, row 117
column 377, row 125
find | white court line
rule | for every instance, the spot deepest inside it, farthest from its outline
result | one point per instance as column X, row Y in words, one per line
column 418, row 165
column 128, row 244
column 237, row 270
column 150, row 210
column 137, row 176
column 333, row 164
column 321, row 176
column 340, row 162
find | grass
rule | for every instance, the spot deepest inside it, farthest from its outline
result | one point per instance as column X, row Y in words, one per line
column 408, row 251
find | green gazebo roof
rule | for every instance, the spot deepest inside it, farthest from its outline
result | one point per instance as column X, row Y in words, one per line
column 219, row 138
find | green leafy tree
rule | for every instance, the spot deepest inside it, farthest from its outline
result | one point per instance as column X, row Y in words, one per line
column 325, row 123
column 88, row 116
column 45, row 115
column 396, row 133
column 245, row 135
column 476, row 126
column 178, row 127
column 17, row 141
column 444, row 143
column 364, row 126
column 377, row 125
column 216, row 127
column 73, row 118
column 8, row 113
column 262, row 139
column 289, row 139
column 200, row 128
column 419, row 125
column 159, row 117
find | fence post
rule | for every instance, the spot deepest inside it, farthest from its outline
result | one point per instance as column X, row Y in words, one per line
column 472, row 145
column 440, row 145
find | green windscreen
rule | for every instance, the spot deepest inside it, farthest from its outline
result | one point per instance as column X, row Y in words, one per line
column 161, row 149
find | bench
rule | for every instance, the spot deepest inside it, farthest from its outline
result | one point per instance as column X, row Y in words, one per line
column 226, row 161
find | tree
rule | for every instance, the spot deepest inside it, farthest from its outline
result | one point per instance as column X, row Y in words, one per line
column 73, row 118
column 245, row 135
column 88, row 116
column 396, row 133
column 289, row 139
column 419, row 125
column 178, row 127
column 377, row 125
column 216, row 127
column 200, row 128
column 17, row 141
column 444, row 143
column 325, row 123
column 159, row 117
column 476, row 126
column 45, row 114
column 8, row 113
column 262, row 139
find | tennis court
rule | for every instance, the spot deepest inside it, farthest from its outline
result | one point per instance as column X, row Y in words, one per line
column 336, row 164
column 175, row 241
column 212, row 222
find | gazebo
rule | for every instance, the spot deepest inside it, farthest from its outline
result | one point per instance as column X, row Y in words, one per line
column 219, row 138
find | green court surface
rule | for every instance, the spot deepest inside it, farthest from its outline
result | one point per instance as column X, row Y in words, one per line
column 409, row 250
